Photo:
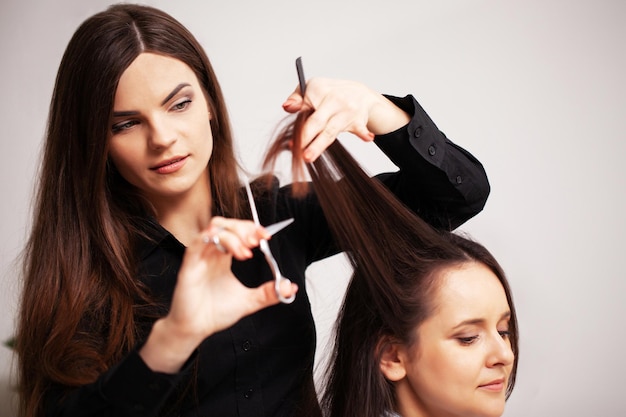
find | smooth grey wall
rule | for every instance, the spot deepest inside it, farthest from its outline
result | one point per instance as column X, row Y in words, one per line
column 534, row 89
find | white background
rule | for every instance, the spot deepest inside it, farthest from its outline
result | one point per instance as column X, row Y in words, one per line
column 534, row 89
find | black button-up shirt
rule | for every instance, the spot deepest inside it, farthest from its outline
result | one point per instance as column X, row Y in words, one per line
column 263, row 365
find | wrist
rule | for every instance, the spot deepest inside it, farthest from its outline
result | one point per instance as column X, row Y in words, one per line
column 386, row 117
column 166, row 349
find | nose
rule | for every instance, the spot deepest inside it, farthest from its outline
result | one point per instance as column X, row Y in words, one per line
column 500, row 351
column 162, row 135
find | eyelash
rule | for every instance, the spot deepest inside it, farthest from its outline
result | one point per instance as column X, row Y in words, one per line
column 466, row 341
column 182, row 105
column 117, row 128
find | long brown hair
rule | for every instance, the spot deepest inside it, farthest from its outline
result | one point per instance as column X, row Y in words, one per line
column 80, row 294
column 396, row 258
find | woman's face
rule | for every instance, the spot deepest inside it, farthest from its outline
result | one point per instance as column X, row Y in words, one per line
column 161, row 139
column 462, row 358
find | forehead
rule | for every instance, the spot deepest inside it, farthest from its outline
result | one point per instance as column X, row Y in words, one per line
column 470, row 290
column 152, row 74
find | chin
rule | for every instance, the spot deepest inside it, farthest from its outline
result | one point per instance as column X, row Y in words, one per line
column 492, row 410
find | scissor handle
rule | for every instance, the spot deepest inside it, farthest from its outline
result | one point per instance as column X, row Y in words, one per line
column 278, row 278
column 284, row 300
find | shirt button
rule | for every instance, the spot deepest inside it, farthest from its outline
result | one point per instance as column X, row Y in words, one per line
column 154, row 386
column 248, row 394
column 431, row 150
column 459, row 180
column 418, row 132
column 246, row 346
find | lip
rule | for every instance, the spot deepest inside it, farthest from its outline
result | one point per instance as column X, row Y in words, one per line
column 170, row 165
column 496, row 385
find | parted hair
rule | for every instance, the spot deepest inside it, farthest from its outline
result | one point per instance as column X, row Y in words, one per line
column 396, row 259
column 80, row 294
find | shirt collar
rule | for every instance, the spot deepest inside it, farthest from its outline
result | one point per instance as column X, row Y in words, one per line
column 153, row 234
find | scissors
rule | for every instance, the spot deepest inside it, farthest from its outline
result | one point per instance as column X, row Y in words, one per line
column 265, row 247
column 276, row 227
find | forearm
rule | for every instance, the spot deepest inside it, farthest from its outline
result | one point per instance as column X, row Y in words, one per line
column 166, row 349
column 385, row 117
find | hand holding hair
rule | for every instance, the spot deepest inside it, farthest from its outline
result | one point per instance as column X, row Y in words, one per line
column 342, row 106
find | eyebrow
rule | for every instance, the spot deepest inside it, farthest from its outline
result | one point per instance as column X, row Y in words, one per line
column 165, row 100
column 504, row 316
column 124, row 113
column 174, row 92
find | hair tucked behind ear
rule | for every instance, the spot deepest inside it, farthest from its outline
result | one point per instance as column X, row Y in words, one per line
column 395, row 256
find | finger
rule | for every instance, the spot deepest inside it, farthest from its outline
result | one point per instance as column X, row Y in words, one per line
column 319, row 144
column 246, row 230
column 214, row 240
column 334, row 115
column 294, row 102
column 287, row 288
column 265, row 294
column 316, row 123
column 331, row 126
column 221, row 241
column 215, row 247
column 363, row 132
column 227, row 242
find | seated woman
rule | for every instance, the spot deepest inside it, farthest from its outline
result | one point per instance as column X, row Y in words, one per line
column 427, row 326
column 437, row 339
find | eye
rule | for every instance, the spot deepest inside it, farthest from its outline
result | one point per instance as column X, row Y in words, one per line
column 119, row 127
column 181, row 105
column 468, row 340
column 504, row 329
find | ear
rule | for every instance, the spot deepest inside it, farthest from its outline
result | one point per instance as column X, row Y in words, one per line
column 391, row 364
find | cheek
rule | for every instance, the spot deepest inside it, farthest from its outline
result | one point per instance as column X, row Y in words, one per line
column 446, row 362
column 205, row 139
column 122, row 158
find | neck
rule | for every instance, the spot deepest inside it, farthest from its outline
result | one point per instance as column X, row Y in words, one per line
column 185, row 215
column 408, row 403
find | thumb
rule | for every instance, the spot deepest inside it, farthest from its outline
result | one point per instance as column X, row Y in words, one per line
column 364, row 133
column 265, row 294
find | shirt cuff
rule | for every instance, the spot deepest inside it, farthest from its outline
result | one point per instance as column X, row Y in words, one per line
column 420, row 135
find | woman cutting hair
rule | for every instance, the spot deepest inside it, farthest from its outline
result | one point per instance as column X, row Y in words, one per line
column 143, row 291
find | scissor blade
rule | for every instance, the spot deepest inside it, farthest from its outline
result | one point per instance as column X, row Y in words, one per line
column 272, row 229
column 255, row 215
